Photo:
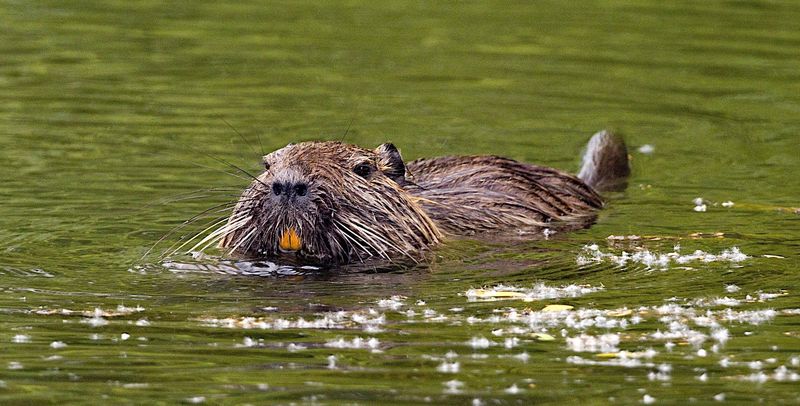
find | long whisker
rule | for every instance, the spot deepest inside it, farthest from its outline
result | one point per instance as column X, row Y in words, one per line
column 234, row 174
column 224, row 162
column 215, row 220
column 347, row 130
column 244, row 238
column 261, row 145
column 348, row 235
column 192, row 197
column 181, row 196
column 251, row 240
column 367, row 239
column 206, row 238
column 369, row 243
column 373, row 234
column 226, row 206
column 242, row 137
column 214, row 237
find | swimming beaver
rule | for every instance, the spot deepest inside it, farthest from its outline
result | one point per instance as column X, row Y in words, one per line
column 334, row 203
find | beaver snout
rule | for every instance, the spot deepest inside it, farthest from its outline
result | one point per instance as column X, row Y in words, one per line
column 289, row 189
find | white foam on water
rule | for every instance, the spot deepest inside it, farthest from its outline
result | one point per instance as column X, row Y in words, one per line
column 593, row 254
column 511, row 342
column 392, row 303
column 449, row 367
column 539, row 291
column 480, row 343
column 21, row 339
column 369, row 320
column 355, row 343
column 292, row 347
column 646, row 149
column 248, row 342
column 618, row 362
column 590, row 343
column 523, row 356
column 453, row 387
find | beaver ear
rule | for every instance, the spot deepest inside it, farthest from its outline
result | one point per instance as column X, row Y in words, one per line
column 391, row 163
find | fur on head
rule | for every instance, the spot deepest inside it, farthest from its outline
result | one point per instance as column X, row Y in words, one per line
column 329, row 202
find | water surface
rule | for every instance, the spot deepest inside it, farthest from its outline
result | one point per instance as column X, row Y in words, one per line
column 114, row 117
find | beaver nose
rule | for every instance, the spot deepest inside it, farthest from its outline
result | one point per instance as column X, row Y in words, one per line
column 289, row 189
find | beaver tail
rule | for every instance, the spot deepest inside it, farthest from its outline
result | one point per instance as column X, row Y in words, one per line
column 605, row 164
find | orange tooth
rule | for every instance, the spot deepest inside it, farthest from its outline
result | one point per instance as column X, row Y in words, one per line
column 289, row 241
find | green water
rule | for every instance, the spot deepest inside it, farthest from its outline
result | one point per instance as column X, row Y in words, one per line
column 112, row 112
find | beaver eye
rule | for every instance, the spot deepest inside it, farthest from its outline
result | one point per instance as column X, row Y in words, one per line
column 266, row 165
column 363, row 170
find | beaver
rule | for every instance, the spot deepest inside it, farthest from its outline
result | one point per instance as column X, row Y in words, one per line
column 335, row 203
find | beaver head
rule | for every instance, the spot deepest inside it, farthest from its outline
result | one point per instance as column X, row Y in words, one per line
column 329, row 202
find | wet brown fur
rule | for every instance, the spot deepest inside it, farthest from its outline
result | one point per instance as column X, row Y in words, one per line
column 479, row 194
column 347, row 217
column 398, row 210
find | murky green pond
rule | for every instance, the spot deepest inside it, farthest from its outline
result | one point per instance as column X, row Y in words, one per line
column 114, row 121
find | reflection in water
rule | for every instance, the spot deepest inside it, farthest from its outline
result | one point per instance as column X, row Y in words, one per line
column 243, row 268
column 316, row 287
